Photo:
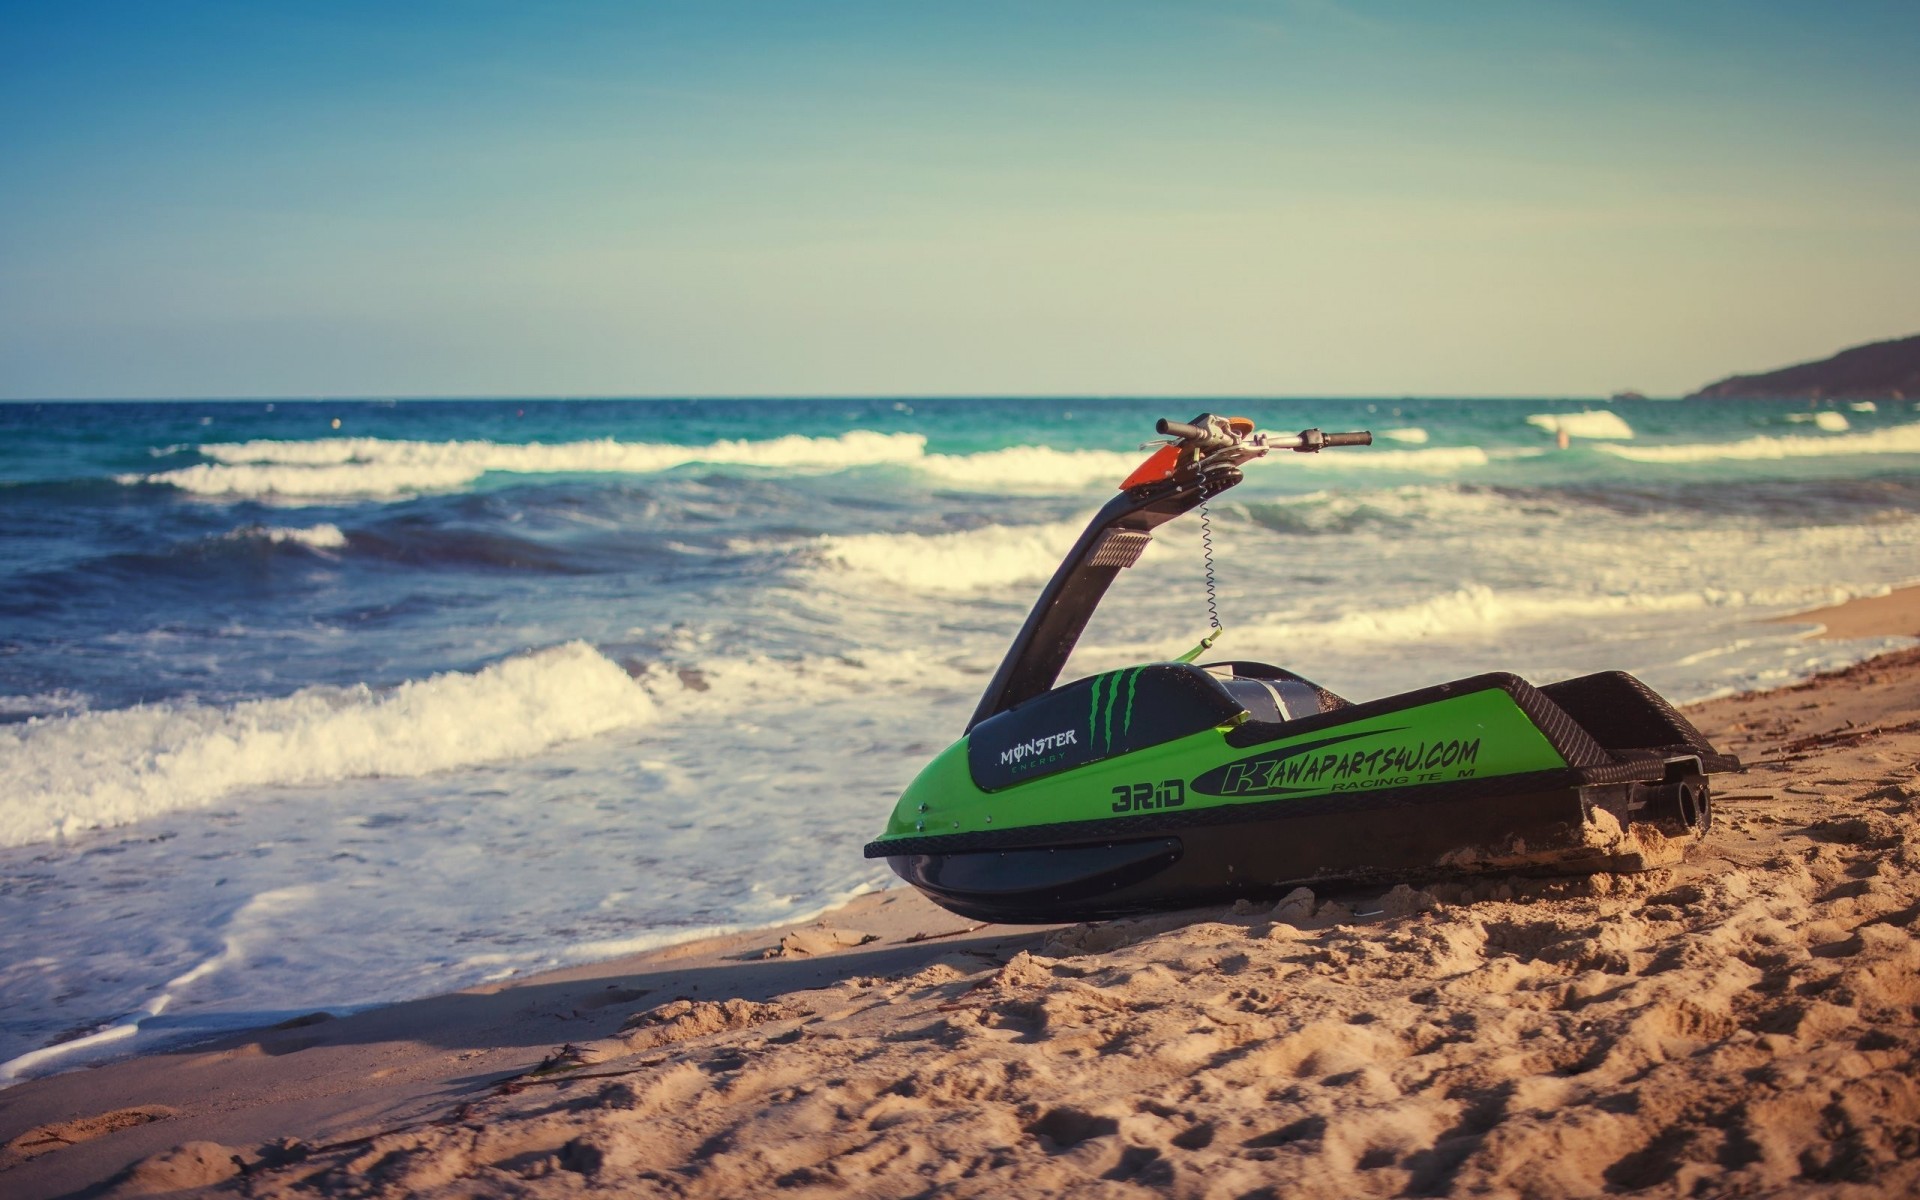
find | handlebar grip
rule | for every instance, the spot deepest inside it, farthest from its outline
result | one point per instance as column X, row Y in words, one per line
column 1204, row 440
column 1360, row 438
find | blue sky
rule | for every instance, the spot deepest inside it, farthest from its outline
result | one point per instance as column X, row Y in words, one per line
column 1295, row 198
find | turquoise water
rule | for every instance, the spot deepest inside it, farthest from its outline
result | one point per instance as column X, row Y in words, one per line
column 295, row 715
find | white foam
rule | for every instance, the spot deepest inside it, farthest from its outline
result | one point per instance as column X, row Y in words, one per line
column 1435, row 458
column 381, row 468
column 967, row 561
column 1413, row 436
column 1479, row 610
column 242, row 931
column 1470, row 613
column 1902, row 439
column 376, row 481
column 855, row 448
column 1033, row 468
column 1827, row 419
column 724, row 683
column 1864, row 406
column 62, row 775
column 41, row 703
column 777, row 910
column 316, row 537
column 1591, row 423
column 1338, row 511
column 1040, row 468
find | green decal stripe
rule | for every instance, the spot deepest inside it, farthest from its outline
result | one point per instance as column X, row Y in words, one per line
column 1133, row 677
column 1113, row 703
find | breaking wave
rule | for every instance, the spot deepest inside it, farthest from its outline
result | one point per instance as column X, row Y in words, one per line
column 1467, row 614
column 1032, row 468
column 60, row 700
column 972, row 560
column 67, row 774
column 376, row 468
column 317, row 537
column 1477, row 610
column 1902, row 439
column 63, row 775
column 1593, row 423
column 378, row 481
column 1826, row 419
column 1346, row 512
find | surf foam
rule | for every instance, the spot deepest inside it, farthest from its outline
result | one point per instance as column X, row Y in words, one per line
column 42, row 703
column 1032, row 468
column 1041, row 468
column 1902, row 439
column 62, row 775
column 244, row 931
column 966, row 561
column 1592, row 423
column 381, row 468
column 377, row 481
column 1479, row 610
column 316, row 537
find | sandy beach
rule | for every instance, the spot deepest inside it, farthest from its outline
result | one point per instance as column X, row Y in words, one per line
column 1744, row 1023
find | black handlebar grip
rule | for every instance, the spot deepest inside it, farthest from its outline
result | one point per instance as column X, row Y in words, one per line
column 1361, row 438
column 1203, row 440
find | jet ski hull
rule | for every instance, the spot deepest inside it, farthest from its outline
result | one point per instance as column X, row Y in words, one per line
column 1482, row 774
column 1260, row 857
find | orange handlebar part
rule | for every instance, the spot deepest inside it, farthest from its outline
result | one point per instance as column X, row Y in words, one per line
column 1160, row 465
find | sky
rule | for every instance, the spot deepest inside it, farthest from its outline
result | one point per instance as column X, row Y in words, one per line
column 1211, row 197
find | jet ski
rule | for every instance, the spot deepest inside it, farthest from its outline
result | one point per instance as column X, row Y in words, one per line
column 1175, row 784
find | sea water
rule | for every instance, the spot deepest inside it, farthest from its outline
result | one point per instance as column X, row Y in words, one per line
column 320, row 705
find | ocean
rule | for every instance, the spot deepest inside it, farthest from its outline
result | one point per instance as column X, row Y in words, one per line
column 320, row 705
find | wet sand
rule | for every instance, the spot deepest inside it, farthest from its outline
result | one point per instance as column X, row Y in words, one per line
column 1741, row 1023
column 1896, row 614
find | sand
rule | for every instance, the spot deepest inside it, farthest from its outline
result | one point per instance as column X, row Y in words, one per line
column 1896, row 614
column 1744, row 1022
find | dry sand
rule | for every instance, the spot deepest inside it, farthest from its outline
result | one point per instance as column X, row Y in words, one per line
column 1743, row 1023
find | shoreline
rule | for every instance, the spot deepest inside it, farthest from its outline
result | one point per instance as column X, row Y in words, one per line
column 398, row 1077
column 1895, row 614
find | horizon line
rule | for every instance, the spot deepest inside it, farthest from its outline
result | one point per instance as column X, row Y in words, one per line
column 731, row 397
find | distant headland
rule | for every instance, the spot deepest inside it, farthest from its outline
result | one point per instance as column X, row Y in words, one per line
column 1876, row 371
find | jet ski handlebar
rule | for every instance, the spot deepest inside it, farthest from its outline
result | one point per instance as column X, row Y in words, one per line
column 1221, row 435
column 1201, row 459
column 1311, row 440
column 1200, row 439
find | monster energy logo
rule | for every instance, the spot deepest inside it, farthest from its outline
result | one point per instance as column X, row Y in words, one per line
column 1112, row 701
column 1033, row 747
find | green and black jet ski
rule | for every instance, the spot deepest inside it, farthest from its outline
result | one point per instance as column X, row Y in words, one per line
column 1172, row 784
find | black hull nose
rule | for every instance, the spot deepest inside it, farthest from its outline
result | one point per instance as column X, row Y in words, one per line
column 1043, row 885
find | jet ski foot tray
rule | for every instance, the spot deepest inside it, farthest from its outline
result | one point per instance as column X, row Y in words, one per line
column 1169, row 785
